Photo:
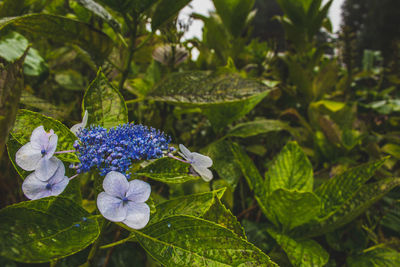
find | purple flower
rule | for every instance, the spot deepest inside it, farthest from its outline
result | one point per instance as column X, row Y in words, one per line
column 37, row 155
column 34, row 188
column 78, row 127
column 123, row 201
column 199, row 162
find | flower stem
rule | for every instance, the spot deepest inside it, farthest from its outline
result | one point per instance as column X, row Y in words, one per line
column 65, row 151
column 181, row 160
column 72, row 177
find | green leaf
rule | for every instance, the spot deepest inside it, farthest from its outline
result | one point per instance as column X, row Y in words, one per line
column 165, row 11
column 223, row 161
column 292, row 208
column 305, row 252
column 105, row 105
column 195, row 205
column 101, row 12
column 12, row 148
column 342, row 187
column 380, row 257
column 126, row 6
column 234, row 14
column 63, row 30
column 13, row 45
column 352, row 208
column 252, row 175
column 11, row 85
column 252, row 128
column 219, row 214
column 222, row 98
column 392, row 149
column 27, row 121
column 51, row 110
column 189, row 241
column 291, row 169
column 167, row 170
column 45, row 229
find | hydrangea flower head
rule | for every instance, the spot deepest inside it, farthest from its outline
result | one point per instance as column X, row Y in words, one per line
column 199, row 162
column 37, row 154
column 35, row 188
column 117, row 148
column 78, row 127
column 123, row 201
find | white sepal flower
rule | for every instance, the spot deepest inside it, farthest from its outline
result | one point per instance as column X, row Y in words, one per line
column 35, row 188
column 199, row 162
column 37, row 155
column 77, row 127
column 123, row 201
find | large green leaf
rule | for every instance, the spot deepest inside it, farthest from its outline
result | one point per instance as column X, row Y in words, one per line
column 105, row 105
column 166, row 10
column 11, row 85
column 63, row 30
column 340, row 188
column 167, row 170
column 195, row 205
column 291, row 169
column 352, row 208
column 234, row 14
column 27, row 121
column 252, row 128
column 45, row 229
column 223, row 161
column 13, row 45
column 126, row 6
column 189, row 241
column 305, row 252
column 292, row 208
column 222, row 98
column 380, row 257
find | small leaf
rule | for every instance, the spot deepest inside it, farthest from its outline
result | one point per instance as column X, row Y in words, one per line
column 27, row 121
column 189, row 241
column 62, row 30
column 223, row 161
column 382, row 257
column 195, row 205
column 167, row 170
column 165, row 10
column 291, row 169
column 257, row 127
column 46, row 229
column 104, row 103
column 292, row 208
column 305, row 252
column 342, row 187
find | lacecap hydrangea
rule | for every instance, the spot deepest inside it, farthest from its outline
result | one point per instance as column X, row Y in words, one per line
column 115, row 149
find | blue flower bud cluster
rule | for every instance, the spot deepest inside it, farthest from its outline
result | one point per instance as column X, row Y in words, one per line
column 117, row 148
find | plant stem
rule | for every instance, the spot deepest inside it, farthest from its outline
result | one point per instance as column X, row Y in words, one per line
column 133, row 36
column 65, row 151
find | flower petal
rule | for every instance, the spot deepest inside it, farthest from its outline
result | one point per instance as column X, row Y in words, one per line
column 77, row 127
column 205, row 173
column 52, row 146
column 28, row 157
column 138, row 215
column 39, row 138
column 116, row 184
column 48, row 167
column 201, row 160
column 186, row 152
column 138, row 191
column 112, row 208
column 33, row 188
column 58, row 184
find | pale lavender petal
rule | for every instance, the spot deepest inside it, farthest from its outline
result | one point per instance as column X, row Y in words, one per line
column 39, row 138
column 115, row 184
column 33, row 188
column 85, row 119
column 138, row 215
column 201, row 160
column 28, row 157
column 138, row 191
column 205, row 173
column 77, row 127
column 52, row 146
column 58, row 185
column 112, row 208
column 48, row 167
column 186, row 152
